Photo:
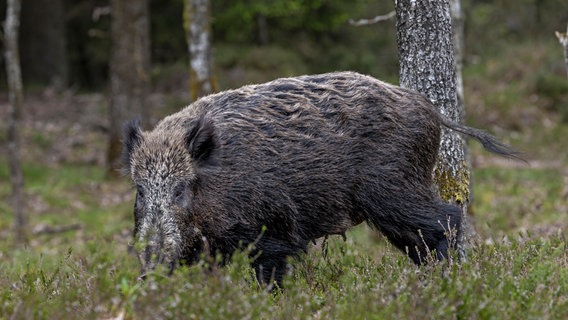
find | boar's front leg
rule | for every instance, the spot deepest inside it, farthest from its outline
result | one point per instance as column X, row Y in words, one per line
column 270, row 263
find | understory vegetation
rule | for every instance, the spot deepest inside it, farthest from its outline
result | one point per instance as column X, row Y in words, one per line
column 521, row 278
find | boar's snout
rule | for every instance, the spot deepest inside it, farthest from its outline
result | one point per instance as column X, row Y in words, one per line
column 155, row 248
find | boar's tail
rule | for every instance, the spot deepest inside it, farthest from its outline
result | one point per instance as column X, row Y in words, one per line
column 488, row 141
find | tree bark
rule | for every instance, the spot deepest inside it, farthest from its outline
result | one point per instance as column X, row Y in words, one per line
column 129, row 72
column 197, row 14
column 427, row 65
column 15, row 92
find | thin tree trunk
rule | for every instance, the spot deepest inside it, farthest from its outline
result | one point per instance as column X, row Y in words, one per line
column 458, row 42
column 563, row 38
column 197, row 14
column 427, row 65
column 262, row 26
column 13, row 72
column 129, row 72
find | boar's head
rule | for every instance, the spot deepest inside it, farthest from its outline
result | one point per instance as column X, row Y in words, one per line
column 166, row 166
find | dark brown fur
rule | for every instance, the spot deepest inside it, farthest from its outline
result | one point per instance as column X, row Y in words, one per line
column 304, row 157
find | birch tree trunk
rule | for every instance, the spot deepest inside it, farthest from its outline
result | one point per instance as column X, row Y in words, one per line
column 129, row 72
column 196, row 20
column 563, row 39
column 427, row 65
column 15, row 92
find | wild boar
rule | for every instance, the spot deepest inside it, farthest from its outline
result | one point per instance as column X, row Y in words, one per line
column 286, row 162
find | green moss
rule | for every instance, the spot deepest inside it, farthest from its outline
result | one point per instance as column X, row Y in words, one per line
column 453, row 188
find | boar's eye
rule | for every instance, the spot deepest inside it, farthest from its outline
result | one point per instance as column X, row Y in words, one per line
column 140, row 191
column 139, row 202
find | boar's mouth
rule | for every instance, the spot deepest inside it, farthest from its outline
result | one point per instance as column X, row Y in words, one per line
column 158, row 249
column 151, row 265
column 155, row 248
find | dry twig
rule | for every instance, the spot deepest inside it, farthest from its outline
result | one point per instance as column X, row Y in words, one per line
column 47, row 229
column 377, row 19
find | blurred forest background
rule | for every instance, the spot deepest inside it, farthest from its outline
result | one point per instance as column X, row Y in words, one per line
column 66, row 44
column 80, row 221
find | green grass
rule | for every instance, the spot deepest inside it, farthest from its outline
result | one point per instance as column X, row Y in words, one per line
column 533, row 198
column 523, row 278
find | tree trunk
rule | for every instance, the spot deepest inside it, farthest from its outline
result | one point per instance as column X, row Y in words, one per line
column 198, row 34
column 458, row 43
column 427, row 65
column 15, row 92
column 43, row 42
column 563, row 38
column 129, row 72
column 262, row 26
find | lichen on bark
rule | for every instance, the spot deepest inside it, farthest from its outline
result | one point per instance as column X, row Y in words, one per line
column 453, row 187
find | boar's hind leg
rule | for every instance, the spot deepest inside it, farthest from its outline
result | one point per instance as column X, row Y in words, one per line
column 450, row 220
column 417, row 226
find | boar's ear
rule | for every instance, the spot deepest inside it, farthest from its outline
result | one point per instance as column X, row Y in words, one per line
column 131, row 138
column 201, row 141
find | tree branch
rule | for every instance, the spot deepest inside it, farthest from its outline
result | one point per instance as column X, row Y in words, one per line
column 377, row 19
column 47, row 229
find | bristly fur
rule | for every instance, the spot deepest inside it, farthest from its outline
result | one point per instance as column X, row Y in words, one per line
column 291, row 160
